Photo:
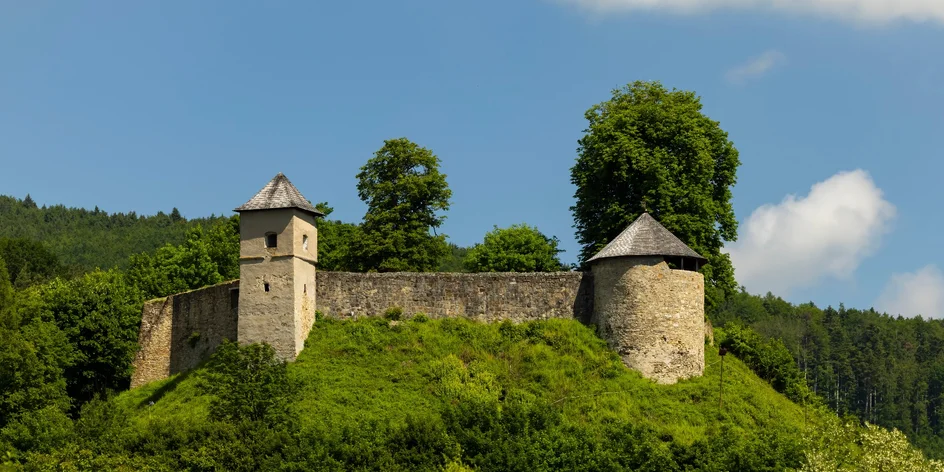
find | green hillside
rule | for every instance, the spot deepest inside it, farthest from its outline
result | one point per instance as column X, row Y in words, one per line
column 368, row 370
column 367, row 383
column 418, row 394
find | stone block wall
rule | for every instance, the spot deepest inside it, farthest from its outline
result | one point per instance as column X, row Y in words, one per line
column 180, row 331
column 484, row 297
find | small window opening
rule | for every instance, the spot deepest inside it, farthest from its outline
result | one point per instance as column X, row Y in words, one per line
column 272, row 240
column 305, row 242
column 682, row 263
column 305, row 289
column 266, row 286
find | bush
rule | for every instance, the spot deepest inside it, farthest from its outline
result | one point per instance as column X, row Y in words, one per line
column 393, row 313
column 249, row 383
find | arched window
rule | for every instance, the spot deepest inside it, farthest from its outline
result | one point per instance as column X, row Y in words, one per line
column 305, row 242
column 271, row 240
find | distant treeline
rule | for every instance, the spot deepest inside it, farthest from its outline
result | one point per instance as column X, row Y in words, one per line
column 83, row 240
column 883, row 369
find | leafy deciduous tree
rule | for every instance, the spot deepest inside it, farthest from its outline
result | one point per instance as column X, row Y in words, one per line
column 519, row 248
column 99, row 314
column 652, row 149
column 404, row 192
column 174, row 269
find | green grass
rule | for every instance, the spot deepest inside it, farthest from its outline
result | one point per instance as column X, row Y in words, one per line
column 375, row 370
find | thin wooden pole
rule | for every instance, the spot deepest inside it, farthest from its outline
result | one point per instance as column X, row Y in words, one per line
column 722, row 351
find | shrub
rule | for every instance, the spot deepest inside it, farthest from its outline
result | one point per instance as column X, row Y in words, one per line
column 249, row 383
column 393, row 313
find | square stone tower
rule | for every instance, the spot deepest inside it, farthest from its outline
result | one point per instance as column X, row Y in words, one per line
column 278, row 252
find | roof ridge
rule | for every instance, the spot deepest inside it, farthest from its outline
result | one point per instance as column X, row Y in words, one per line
column 646, row 237
column 279, row 193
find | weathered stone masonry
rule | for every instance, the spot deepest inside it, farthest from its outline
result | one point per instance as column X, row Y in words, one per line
column 652, row 316
column 180, row 331
column 484, row 297
column 168, row 344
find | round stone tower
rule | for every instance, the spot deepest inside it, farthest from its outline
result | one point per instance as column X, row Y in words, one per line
column 649, row 301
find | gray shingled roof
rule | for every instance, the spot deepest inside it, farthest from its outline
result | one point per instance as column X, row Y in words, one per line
column 279, row 193
column 646, row 237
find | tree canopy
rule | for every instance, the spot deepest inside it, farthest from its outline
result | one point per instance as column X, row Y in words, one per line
column 651, row 149
column 518, row 248
column 405, row 194
column 28, row 262
column 83, row 240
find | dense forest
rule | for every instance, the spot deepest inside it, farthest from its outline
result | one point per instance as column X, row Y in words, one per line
column 84, row 239
column 883, row 369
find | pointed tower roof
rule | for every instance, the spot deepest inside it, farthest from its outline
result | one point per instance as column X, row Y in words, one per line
column 646, row 237
column 279, row 193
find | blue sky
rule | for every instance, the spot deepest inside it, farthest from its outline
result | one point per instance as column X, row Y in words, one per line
column 196, row 105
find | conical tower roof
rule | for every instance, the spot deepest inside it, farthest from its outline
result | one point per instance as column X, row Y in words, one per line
column 279, row 193
column 646, row 237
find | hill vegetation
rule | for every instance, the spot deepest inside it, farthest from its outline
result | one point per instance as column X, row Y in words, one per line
column 417, row 395
column 883, row 369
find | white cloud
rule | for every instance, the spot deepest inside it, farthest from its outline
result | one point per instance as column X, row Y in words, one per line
column 914, row 293
column 756, row 67
column 802, row 240
column 861, row 11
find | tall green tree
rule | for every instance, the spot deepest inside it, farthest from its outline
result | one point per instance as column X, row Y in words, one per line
column 518, row 248
column 99, row 313
column 405, row 195
column 651, row 149
column 33, row 354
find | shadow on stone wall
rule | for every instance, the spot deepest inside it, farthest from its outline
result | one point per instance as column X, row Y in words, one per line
column 583, row 302
column 202, row 319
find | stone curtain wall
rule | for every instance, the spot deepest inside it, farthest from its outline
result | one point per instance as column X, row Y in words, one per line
column 180, row 331
column 483, row 297
column 652, row 316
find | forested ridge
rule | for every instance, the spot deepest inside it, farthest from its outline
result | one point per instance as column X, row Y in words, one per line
column 87, row 239
column 887, row 370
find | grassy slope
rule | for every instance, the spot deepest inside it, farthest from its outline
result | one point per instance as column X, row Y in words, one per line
column 370, row 370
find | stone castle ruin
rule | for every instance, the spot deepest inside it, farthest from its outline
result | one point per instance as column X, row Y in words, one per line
column 642, row 292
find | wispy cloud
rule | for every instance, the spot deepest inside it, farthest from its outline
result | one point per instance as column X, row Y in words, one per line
column 802, row 240
column 914, row 293
column 756, row 67
column 861, row 11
